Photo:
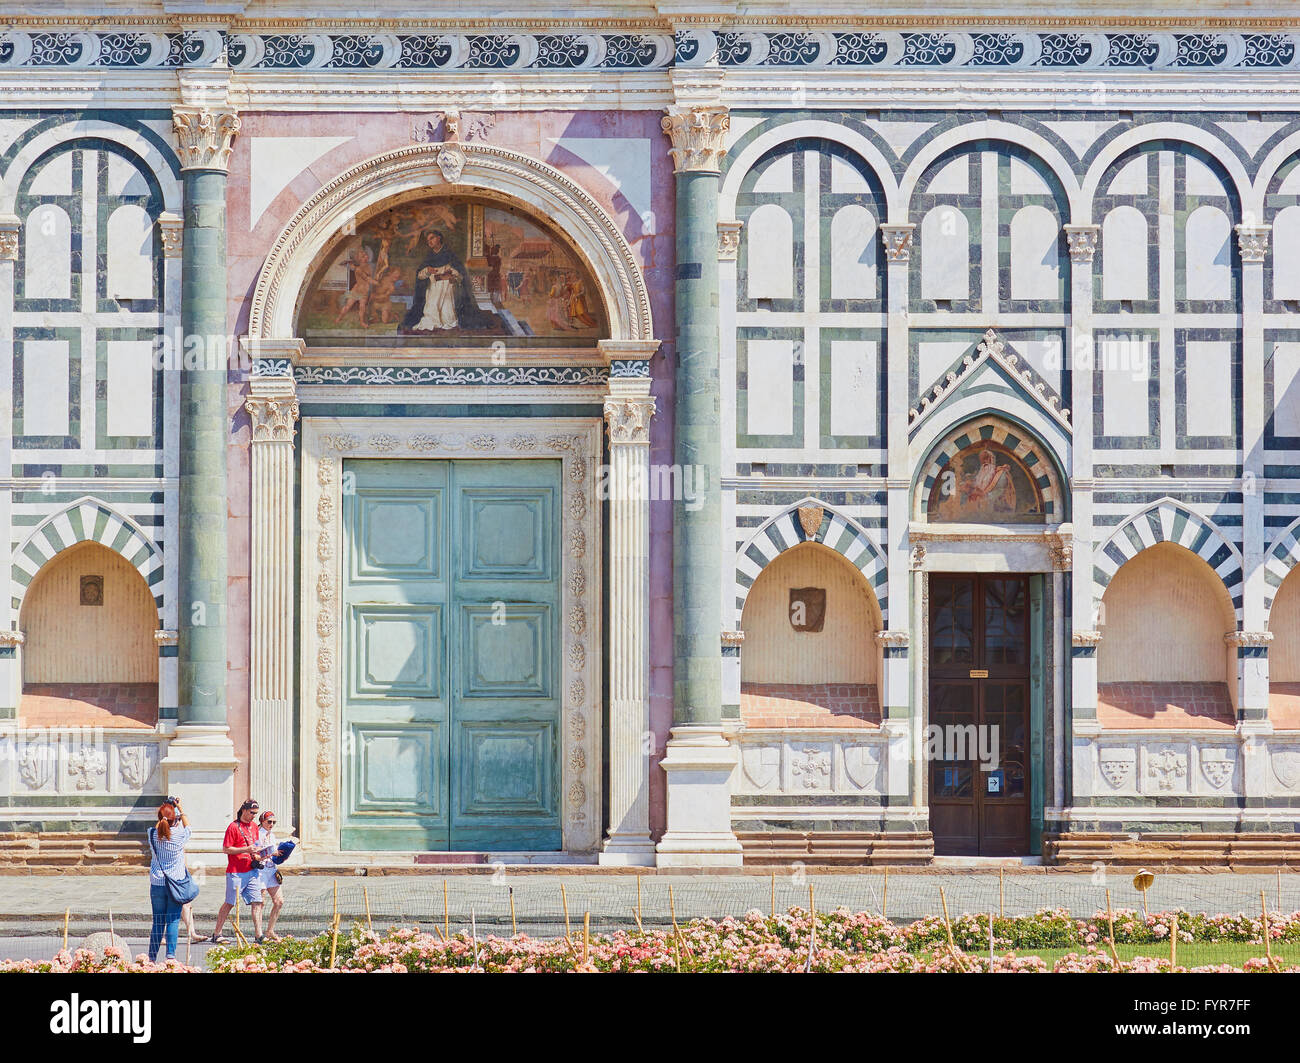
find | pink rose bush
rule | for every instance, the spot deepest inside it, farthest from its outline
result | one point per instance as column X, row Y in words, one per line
column 84, row 961
column 796, row 941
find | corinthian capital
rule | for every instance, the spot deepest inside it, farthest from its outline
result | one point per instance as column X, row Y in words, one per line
column 204, row 137
column 697, row 135
column 628, row 417
column 272, row 417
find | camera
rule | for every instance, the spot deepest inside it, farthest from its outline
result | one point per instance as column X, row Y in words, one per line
column 174, row 802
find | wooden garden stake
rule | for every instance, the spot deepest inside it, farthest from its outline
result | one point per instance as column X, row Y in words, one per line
column 639, row 927
column 1002, row 907
column 334, row 941
column 773, row 906
column 952, row 945
column 446, row 913
column 884, row 904
column 1110, row 920
column 564, row 900
column 1280, row 909
column 1268, row 945
column 514, row 925
column 586, row 934
column 366, row 894
column 67, row 914
column 990, row 939
column 1173, row 943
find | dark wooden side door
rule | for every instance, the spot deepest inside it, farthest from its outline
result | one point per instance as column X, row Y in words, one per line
column 979, row 702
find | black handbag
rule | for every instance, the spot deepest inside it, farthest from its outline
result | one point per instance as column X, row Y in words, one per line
column 181, row 890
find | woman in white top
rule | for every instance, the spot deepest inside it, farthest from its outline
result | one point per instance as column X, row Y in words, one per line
column 270, row 884
column 167, row 860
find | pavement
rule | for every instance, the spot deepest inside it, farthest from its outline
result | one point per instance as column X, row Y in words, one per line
column 499, row 901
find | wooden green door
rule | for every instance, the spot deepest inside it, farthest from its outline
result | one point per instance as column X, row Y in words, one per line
column 451, row 604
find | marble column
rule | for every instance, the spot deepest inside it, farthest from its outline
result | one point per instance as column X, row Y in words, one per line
column 628, row 410
column 272, row 407
column 905, row 775
column 699, row 760
column 199, row 765
column 1252, row 646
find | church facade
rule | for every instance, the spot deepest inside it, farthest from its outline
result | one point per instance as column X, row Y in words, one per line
column 652, row 436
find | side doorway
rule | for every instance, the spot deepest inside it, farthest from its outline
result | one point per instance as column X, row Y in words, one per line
column 980, row 656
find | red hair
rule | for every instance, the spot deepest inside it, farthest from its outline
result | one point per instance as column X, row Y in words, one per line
column 166, row 817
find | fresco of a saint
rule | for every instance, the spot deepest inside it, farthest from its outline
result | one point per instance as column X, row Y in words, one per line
column 985, row 484
column 454, row 272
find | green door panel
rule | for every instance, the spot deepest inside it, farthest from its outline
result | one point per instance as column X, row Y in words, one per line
column 451, row 631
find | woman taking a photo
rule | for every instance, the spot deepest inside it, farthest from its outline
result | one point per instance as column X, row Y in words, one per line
column 168, row 876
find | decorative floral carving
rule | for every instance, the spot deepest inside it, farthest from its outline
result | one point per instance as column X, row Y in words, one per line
column 733, row 638
column 85, row 764
column 1252, row 241
column 325, row 509
column 482, row 442
column 384, row 442
column 423, row 441
column 325, row 587
column 523, row 443
column 578, row 543
column 698, row 137
column 171, row 229
column 342, row 441
column 729, row 240
column 577, row 794
column 628, row 418
column 578, row 726
column 1083, row 242
column 811, row 767
column 577, row 620
column 164, row 637
column 1166, row 767
column 578, row 582
column 898, row 242
column 577, row 656
column 577, row 692
column 204, row 137
column 272, row 418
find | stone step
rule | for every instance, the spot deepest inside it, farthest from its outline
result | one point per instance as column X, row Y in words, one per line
column 1236, row 850
column 835, row 848
column 33, row 851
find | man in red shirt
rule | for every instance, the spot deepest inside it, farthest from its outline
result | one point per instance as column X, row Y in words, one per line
column 239, row 845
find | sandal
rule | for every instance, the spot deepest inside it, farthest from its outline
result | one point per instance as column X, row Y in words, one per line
column 218, row 940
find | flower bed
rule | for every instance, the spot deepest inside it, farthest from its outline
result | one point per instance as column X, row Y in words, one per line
column 832, row 941
column 841, row 942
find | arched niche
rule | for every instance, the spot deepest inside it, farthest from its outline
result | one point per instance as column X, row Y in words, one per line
column 1163, row 660
column 89, row 655
column 810, row 656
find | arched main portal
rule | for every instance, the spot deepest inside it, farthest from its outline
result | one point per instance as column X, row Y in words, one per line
column 450, row 557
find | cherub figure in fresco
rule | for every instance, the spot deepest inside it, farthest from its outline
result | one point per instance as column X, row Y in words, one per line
column 361, row 271
column 421, row 219
column 386, row 232
column 381, row 295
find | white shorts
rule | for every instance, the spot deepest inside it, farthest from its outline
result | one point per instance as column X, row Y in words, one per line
column 247, row 884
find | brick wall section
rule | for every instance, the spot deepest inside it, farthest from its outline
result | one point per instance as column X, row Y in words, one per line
column 1161, row 706
column 810, row 705
column 89, row 705
column 1284, row 706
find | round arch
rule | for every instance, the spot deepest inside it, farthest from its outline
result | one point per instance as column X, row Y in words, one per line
column 1018, row 439
column 754, row 149
column 1169, row 521
column 424, row 168
column 1280, row 560
column 811, row 520
column 1004, row 132
column 87, row 520
column 1126, row 141
column 132, row 142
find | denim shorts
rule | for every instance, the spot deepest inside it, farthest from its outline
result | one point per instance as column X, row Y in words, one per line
column 248, row 884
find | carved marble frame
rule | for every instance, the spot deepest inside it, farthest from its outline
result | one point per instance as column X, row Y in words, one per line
column 326, row 443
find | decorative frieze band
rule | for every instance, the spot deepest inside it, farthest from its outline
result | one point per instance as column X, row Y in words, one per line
column 1083, row 242
column 698, row 136
column 1248, row 638
column 894, row 638
column 164, row 637
column 378, row 45
column 1085, row 638
column 733, row 638
column 204, row 137
column 12, row 638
